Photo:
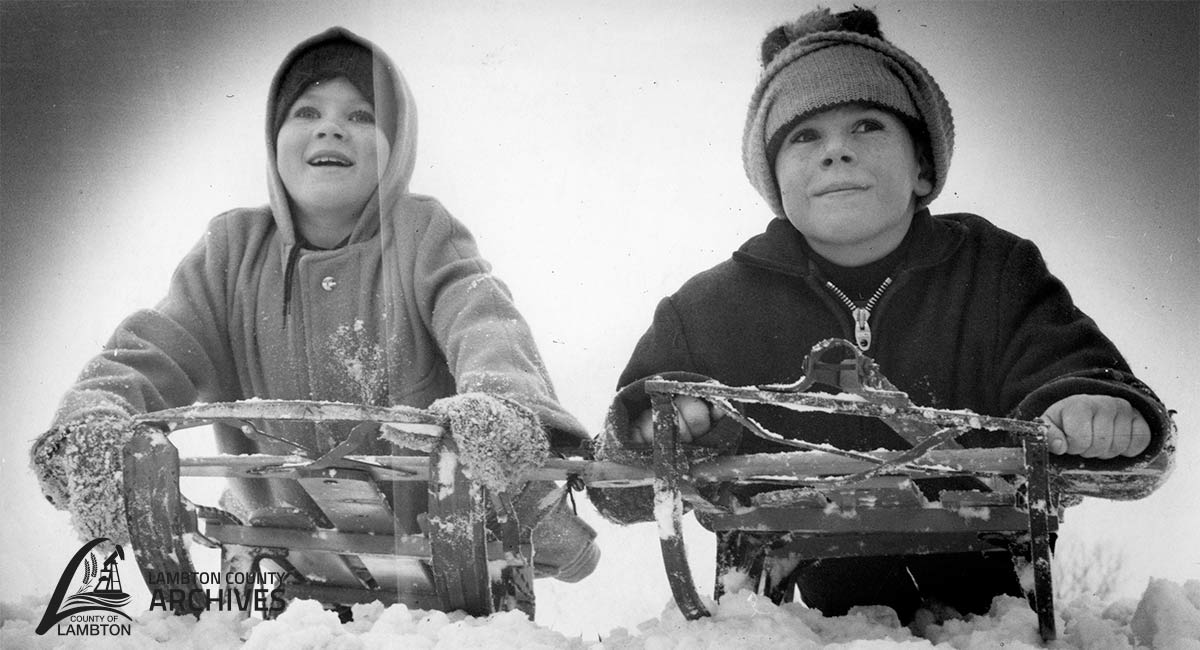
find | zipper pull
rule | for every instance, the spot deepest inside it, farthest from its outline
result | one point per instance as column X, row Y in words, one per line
column 862, row 331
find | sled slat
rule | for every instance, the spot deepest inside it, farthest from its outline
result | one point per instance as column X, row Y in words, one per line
column 298, row 410
column 919, row 543
column 873, row 520
column 351, row 500
column 325, row 540
column 785, row 467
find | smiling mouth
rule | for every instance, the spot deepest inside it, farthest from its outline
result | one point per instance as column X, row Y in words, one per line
column 838, row 190
column 330, row 160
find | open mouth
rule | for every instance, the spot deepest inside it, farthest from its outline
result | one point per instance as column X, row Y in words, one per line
column 325, row 159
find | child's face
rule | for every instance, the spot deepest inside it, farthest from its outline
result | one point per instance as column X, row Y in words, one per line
column 328, row 150
column 849, row 178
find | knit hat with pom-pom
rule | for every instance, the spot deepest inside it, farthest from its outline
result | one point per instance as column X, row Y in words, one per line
column 823, row 60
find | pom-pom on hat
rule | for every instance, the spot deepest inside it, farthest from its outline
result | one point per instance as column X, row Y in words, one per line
column 823, row 60
column 340, row 57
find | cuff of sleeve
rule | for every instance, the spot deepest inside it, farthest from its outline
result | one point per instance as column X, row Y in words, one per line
column 1114, row 384
column 82, row 406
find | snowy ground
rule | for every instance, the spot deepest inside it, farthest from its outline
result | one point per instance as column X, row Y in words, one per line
column 1167, row 616
column 626, row 604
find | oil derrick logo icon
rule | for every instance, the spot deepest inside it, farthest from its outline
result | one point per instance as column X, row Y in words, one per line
column 99, row 590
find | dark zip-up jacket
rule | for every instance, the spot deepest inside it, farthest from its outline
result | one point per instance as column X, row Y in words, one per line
column 973, row 319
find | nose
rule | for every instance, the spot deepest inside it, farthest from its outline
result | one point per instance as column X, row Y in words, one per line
column 836, row 151
column 330, row 128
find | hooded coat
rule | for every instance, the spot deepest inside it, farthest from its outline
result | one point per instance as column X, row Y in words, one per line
column 404, row 313
column 972, row 320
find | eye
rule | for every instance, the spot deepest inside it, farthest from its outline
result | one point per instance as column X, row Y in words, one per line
column 867, row 125
column 306, row 113
column 362, row 117
column 803, row 135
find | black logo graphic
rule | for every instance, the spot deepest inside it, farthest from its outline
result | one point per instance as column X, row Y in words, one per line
column 103, row 595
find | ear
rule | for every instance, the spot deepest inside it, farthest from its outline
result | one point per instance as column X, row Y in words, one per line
column 924, row 184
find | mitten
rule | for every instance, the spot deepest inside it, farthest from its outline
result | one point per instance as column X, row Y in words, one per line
column 498, row 439
column 79, row 467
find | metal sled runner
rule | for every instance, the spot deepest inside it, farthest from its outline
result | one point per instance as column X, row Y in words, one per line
column 824, row 502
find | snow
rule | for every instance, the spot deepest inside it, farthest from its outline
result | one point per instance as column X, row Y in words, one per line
column 1167, row 616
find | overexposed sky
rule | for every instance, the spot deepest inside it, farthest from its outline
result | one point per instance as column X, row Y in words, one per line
column 594, row 150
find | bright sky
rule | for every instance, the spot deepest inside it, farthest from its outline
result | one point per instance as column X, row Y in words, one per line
column 594, row 150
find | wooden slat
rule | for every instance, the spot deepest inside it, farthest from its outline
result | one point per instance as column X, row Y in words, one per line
column 297, row 410
column 785, row 466
column 326, row 540
column 351, row 500
column 872, row 520
column 873, row 545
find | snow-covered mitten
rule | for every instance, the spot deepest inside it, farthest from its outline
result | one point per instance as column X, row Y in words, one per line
column 79, row 467
column 498, row 439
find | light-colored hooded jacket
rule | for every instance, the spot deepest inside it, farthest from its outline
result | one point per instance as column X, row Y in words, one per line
column 404, row 313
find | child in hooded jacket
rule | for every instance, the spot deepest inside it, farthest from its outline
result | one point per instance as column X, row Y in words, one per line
column 849, row 139
column 347, row 287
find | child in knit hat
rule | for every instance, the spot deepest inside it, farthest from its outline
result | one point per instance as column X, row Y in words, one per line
column 347, row 287
column 849, row 139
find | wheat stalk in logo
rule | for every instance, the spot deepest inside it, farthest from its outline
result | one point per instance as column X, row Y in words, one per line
column 106, row 595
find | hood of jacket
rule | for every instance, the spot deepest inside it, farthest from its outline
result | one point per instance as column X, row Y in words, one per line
column 394, row 176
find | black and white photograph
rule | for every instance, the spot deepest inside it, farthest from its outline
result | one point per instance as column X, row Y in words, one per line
column 611, row 324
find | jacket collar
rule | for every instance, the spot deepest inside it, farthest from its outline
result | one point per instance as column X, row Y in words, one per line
column 781, row 248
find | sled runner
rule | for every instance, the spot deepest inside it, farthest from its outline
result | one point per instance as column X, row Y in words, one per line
column 824, row 502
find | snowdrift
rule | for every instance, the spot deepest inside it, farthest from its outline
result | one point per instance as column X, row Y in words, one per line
column 1166, row 616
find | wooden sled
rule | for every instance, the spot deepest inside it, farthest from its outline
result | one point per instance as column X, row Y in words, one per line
column 824, row 502
column 470, row 556
column 466, row 558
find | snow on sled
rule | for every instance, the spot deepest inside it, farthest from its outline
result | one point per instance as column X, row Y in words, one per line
column 468, row 554
column 826, row 502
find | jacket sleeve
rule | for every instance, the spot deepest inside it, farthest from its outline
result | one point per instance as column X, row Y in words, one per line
column 1050, row 350
column 157, row 358
column 168, row 356
column 487, row 343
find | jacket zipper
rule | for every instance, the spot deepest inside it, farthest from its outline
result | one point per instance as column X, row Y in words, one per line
column 861, row 315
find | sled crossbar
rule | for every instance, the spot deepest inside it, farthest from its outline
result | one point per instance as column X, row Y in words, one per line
column 749, row 468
